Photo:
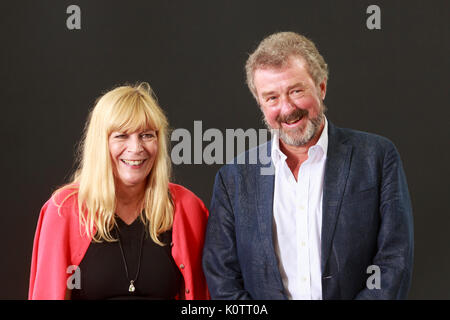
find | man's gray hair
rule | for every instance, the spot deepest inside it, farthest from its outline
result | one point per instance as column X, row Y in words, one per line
column 275, row 51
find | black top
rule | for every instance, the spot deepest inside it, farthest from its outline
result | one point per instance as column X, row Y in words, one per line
column 103, row 274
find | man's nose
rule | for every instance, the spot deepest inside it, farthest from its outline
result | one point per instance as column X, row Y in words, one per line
column 286, row 104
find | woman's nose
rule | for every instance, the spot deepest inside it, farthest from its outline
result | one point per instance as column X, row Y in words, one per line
column 135, row 144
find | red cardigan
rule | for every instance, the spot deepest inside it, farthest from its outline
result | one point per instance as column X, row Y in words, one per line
column 58, row 244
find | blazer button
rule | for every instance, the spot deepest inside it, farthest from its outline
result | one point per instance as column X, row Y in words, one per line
column 181, row 266
column 187, row 291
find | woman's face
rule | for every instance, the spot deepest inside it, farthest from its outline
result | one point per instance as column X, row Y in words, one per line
column 133, row 155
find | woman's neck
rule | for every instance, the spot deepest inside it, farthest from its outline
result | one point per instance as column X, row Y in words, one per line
column 129, row 201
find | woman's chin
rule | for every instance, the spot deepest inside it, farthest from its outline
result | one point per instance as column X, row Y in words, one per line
column 132, row 182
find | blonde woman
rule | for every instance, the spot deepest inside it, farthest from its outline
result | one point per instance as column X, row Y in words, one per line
column 120, row 229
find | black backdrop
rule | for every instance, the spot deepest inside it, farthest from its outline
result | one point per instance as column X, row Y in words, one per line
column 392, row 82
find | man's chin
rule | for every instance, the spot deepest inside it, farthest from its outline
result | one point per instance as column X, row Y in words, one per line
column 295, row 141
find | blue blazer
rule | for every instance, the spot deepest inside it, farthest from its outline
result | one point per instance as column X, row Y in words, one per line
column 366, row 220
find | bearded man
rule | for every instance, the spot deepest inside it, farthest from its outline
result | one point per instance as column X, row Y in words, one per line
column 334, row 221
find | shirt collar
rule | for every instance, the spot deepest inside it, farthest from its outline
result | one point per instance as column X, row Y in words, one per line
column 322, row 144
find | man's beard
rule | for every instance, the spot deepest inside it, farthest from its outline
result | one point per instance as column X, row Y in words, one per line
column 301, row 136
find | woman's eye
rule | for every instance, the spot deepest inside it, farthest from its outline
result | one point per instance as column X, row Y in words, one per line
column 148, row 135
column 120, row 136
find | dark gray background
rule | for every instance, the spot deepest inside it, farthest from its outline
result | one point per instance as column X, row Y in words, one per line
column 393, row 82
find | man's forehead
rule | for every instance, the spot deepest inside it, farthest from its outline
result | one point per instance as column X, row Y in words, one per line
column 279, row 65
column 273, row 77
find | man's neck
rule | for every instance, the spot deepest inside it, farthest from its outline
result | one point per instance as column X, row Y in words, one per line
column 296, row 155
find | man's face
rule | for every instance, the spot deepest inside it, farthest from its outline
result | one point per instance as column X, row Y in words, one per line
column 290, row 101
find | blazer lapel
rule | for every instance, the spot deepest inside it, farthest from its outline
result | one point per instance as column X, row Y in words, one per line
column 264, row 187
column 336, row 172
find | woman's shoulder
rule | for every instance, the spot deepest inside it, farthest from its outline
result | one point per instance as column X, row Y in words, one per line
column 59, row 214
column 184, row 196
column 64, row 200
column 181, row 192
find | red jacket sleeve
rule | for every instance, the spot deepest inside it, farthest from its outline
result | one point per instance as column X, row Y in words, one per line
column 51, row 255
column 188, row 236
column 58, row 244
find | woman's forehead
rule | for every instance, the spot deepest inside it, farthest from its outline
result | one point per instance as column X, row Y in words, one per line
column 130, row 129
column 134, row 123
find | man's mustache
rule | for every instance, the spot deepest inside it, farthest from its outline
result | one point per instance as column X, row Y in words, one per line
column 296, row 114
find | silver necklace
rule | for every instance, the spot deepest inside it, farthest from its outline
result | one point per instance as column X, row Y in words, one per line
column 131, row 288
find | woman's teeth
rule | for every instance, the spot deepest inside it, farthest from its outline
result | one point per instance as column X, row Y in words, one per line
column 133, row 162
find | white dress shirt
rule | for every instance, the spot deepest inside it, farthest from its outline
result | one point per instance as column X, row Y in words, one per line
column 297, row 209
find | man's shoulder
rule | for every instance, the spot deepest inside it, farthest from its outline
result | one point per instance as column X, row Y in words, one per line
column 362, row 140
column 250, row 160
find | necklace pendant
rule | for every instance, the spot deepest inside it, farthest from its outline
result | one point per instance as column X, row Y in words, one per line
column 131, row 288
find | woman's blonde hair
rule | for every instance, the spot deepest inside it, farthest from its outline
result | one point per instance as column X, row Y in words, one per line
column 126, row 109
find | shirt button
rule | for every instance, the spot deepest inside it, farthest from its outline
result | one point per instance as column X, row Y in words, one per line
column 302, row 208
column 187, row 291
column 181, row 266
column 303, row 243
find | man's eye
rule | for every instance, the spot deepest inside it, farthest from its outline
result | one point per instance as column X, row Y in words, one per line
column 271, row 99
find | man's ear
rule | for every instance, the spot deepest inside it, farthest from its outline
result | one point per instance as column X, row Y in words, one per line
column 257, row 102
column 323, row 88
column 255, row 95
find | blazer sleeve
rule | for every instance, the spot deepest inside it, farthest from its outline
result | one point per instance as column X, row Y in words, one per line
column 51, row 256
column 220, row 259
column 395, row 242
